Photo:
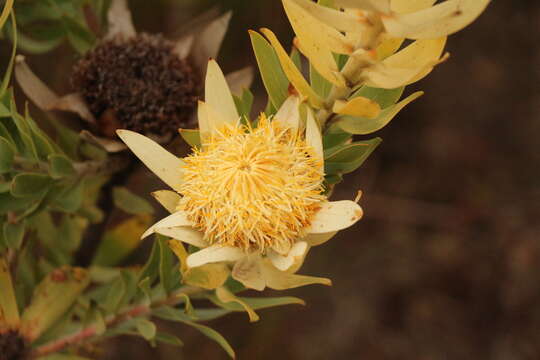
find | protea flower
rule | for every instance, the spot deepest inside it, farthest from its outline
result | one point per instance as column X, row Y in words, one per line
column 250, row 197
column 136, row 81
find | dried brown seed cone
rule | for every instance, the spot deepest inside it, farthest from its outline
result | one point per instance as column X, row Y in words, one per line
column 138, row 84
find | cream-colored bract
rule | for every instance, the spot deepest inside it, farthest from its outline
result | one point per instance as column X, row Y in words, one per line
column 262, row 228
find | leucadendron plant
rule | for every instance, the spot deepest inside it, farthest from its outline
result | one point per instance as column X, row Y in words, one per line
column 246, row 204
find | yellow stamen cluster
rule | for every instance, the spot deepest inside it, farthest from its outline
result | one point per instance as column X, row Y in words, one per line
column 253, row 188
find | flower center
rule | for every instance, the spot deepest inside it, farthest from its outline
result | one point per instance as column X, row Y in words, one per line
column 253, row 188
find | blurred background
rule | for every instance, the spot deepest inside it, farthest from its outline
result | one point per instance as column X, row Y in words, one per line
column 446, row 262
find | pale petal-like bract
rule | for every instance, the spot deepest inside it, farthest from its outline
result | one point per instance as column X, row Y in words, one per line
column 165, row 165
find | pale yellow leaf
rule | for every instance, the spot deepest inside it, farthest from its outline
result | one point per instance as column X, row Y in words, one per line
column 288, row 115
column 358, row 106
column 209, row 276
column 369, row 5
column 342, row 21
column 167, row 198
column 440, row 20
column 178, row 218
column 218, row 95
column 292, row 259
column 360, row 126
column 293, row 73
column 319, row 239
column 407, row 65
column 313, row 136
column 280, row 280
column 186, row 234
column 322, row 60
column 248, row 271
column 315, row 31
column 408, row 6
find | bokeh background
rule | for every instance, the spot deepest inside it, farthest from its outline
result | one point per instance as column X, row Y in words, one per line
column 446, row 262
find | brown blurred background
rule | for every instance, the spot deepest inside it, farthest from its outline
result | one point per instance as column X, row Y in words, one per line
column 446, row 262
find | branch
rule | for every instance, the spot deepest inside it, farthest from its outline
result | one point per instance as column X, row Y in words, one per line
column 112, row 320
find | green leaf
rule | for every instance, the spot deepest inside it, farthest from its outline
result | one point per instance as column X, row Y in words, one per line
column 146, row 328
column 79, row 37
column 169, row 313
column 14, row 234
column 384, row 97
column 144, row 285
column 151, row 268
column 296, row 59
column 209, row 314
column 274, row 79
column 166, row 268
column 70, row 198
column 168, row 339
column 10, row 203
column 60, row 167
column 117, row 290
column 95, row 318
column 30, row 185
column 333, row 179
column 51, row 299
column 244, row 103
column 5, row 187
column 26, row 275
column 257, row 303
column 7, row 155
column 131, row 203
column 362, row 126
column 192, row 137
column 9, row 70
column 37, row 46
column 334, row 137
column 72, row 230
column 344, row 159
column 321, row 86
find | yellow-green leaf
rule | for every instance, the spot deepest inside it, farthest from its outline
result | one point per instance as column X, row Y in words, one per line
column 9, row 313
column 51, row 299
column 121, row 240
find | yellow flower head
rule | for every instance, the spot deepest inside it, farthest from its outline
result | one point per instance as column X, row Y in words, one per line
column 253, row 188
column 250, row 198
